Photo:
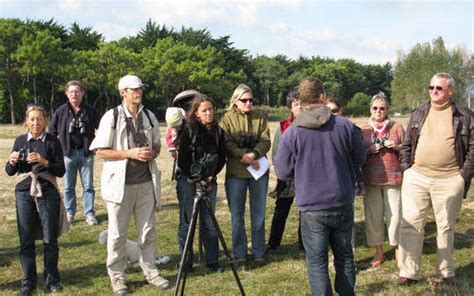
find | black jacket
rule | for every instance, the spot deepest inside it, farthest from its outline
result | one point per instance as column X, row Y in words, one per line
column 206, row 142
column 61, row 119
column 463, row 127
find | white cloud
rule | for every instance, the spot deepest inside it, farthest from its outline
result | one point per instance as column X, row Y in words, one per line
column 279, row 27
column 69, row 5
column 113, row 31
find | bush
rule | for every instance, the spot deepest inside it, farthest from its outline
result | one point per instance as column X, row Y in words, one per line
column 359, row 105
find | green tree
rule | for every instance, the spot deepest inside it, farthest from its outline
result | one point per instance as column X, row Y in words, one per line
column 10, row 39
column 412, row 72
column 270, row 74
column 82, row 38
column 359, row 105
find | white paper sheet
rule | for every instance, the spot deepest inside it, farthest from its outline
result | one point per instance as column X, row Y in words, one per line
column 264, row 165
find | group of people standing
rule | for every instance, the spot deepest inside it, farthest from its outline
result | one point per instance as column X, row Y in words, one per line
column 317, row 156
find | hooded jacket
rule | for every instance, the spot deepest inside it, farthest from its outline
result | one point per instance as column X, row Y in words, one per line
column 320, row 151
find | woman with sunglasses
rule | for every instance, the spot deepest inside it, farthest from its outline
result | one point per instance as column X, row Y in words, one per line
column 37, row 158
column 383, row 177
column 247, row 139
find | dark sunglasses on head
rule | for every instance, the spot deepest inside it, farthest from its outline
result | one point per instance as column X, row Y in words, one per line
column 36, row 106
column 335, row 110
column 375, row 108
column 432, row 87
column 245, row 101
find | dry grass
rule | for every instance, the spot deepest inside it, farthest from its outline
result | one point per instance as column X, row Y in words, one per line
column 82, row 259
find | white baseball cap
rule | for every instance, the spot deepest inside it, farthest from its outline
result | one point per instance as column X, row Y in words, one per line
column 129, row 81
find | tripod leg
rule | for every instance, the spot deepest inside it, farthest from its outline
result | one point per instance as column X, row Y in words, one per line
column 224, row 246
column 201, row 231
column 187, row 248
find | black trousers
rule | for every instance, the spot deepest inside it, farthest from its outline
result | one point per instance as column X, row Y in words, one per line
column 30, row 220
column 282, row 208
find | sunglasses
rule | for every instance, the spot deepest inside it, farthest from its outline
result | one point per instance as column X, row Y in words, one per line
column 335, row 110
column 375, row 108
column 35, row 106
column 432, row 87
column 245, row 101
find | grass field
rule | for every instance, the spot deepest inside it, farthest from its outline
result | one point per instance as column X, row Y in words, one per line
column 82, row 258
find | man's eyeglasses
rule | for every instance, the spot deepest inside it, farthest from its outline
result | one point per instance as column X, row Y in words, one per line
column 375, row 108
column 74, row 91
column 245, row 101
column 432, row 87
column 335, row 110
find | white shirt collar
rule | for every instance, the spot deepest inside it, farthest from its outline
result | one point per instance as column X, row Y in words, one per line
column 127, row 113
column 42, row 137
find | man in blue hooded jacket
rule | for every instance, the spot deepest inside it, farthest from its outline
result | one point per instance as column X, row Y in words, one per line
column 320, row 151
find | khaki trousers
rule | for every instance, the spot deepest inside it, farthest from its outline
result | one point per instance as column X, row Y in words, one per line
column 138, row 201
column 382, row 201
column 419, row 194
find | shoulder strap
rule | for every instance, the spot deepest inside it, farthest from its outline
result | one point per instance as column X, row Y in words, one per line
column 115, row 110
column 148, row 117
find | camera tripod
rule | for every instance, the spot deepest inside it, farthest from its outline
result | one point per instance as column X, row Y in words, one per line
column 201, row 202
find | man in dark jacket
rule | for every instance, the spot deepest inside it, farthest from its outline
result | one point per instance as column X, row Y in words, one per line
column 320, row 150
column 74, row 123
column 436, row 157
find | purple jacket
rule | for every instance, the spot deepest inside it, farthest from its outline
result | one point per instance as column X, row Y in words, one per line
column 320, row 151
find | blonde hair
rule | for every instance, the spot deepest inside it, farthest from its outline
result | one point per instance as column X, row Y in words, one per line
column 36, row 107
column 238, row 93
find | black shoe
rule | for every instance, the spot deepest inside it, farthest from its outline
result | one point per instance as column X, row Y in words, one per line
column 403, row 281
column 55, row 287
column 450, row 280
column 27, row 290
column 215, row 267
column 259, row 262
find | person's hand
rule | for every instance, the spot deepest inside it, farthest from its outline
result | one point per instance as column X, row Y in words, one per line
column 256, row 165
column 35, row 157
column 174, row 154
column 374, row 148
column 14, row 157
column 247, row 158
column 391, row 144
column 141, row 154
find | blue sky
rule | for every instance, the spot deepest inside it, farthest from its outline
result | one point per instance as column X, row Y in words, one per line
column 368, row 31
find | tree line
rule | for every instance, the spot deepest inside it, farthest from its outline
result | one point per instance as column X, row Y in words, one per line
column 38, row 57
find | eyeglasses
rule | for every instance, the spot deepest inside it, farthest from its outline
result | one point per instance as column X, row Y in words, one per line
column 245, row 101
column 432, row 87
column 375, row 108
column 74, row 91
column 335, row 110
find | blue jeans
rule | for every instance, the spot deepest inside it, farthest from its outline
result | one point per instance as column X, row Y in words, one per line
column 236, row 191
column 30, row 220
column 186, row 192
column 321, row 230
column 77, row 162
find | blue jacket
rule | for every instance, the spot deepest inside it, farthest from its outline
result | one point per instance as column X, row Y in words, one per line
column 61, row 119
column 320, row 151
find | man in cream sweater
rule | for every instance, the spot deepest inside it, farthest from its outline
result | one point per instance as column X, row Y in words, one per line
column 436, row 157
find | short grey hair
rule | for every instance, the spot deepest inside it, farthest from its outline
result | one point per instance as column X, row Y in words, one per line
column 380, row 96
column 445, row 75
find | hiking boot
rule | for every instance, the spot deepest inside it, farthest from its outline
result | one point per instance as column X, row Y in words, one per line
column 91, row 220
column 55, row 287
column 159, row 282
column 403, row 281
column 119, row 287
column 27, row 290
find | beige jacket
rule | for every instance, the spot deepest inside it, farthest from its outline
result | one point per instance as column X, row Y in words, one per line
column 113, row 172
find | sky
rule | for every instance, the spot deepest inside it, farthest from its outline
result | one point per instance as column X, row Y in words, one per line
column 370, row 31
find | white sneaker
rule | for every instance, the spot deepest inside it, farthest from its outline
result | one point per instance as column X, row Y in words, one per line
column 70, row 218
column 119, row 287
column 159, row 282
column 91, row 220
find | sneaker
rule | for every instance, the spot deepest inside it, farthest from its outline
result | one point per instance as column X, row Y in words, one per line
column 27, row 290
column 240, row 264
column 55, row 287
column 119, row 287
column 70, row 218
column 91, row 220
column 159, row 282
column 260, row 261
